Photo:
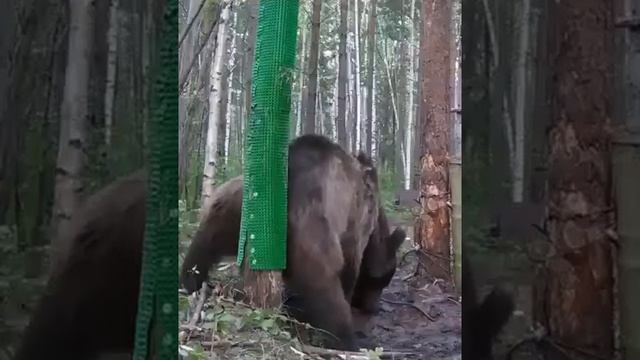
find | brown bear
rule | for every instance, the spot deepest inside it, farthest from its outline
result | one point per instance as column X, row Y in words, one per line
column 338, row 237
column 481, row 321
column 90, row 302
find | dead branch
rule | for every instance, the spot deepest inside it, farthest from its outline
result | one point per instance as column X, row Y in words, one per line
column 421, row 310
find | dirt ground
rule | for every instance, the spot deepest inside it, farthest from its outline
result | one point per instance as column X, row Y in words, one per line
column 418, row 319
column 510, row 269
column 416, row 315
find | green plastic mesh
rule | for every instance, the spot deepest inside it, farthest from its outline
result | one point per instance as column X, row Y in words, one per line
column 158, row 302
column 264, row 204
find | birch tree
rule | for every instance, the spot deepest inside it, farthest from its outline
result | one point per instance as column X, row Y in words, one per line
column 73, row 124
column 229, row 107
column 342, row 75
column 371, row 46
column 521, row 83
column 356, row 39
column 309, row 123
column 215, row 102
column 409, row 131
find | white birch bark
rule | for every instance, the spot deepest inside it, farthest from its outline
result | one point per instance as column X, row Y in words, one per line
column 301, row 82
column 232, row 65
column 215, row 102
column 358, row 117
column 319, row 117
column 521, row 104
column 334, row 109
column 374, row 122
column 73, row 122
column 393, row 93
column 410, row 113
column 362, row 99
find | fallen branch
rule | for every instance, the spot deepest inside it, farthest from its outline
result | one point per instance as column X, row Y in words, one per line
column 411, row 305
column 354, row 355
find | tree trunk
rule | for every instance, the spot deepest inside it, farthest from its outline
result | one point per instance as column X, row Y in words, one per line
column 73, row 126
column 215, row 103
column 455, row 163
column 301, row 78
column 626, row 173
column 112, row 63
column 433, row 229
column 334, row 108
column 187, row 49
column 230, row 72
column 392, row 92
column 375, row 129
column 356, row 41
column 309, row 124
column 521, row 83
column 410, row 114
column 252, row 21
column 370, row 66
column 353, row 96
column 342, row 75
column 574, row 298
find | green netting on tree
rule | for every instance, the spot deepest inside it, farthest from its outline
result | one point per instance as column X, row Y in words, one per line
column 158, row 302
column 264, row 204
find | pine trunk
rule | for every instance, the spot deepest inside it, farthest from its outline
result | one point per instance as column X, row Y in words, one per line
column 433, row 229
column 574, row 298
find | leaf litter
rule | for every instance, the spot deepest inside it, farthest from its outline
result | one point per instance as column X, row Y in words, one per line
column 419, row 318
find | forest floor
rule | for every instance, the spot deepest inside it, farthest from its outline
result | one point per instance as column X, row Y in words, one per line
column 417, row 315
column 418, row 319
column 508, row 266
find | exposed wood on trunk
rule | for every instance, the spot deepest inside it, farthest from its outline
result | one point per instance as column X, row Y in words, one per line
column 433, row 230
column 574, row 299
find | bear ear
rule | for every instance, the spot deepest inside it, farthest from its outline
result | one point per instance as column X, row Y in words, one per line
column 364, row 159
column 396, row 239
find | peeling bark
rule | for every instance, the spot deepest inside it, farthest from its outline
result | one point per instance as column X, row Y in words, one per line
column 574, row 298
column 433, row 225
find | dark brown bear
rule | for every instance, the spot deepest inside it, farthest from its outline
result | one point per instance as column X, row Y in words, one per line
column 90, row 302
column 335, row 219
column 481, row 322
